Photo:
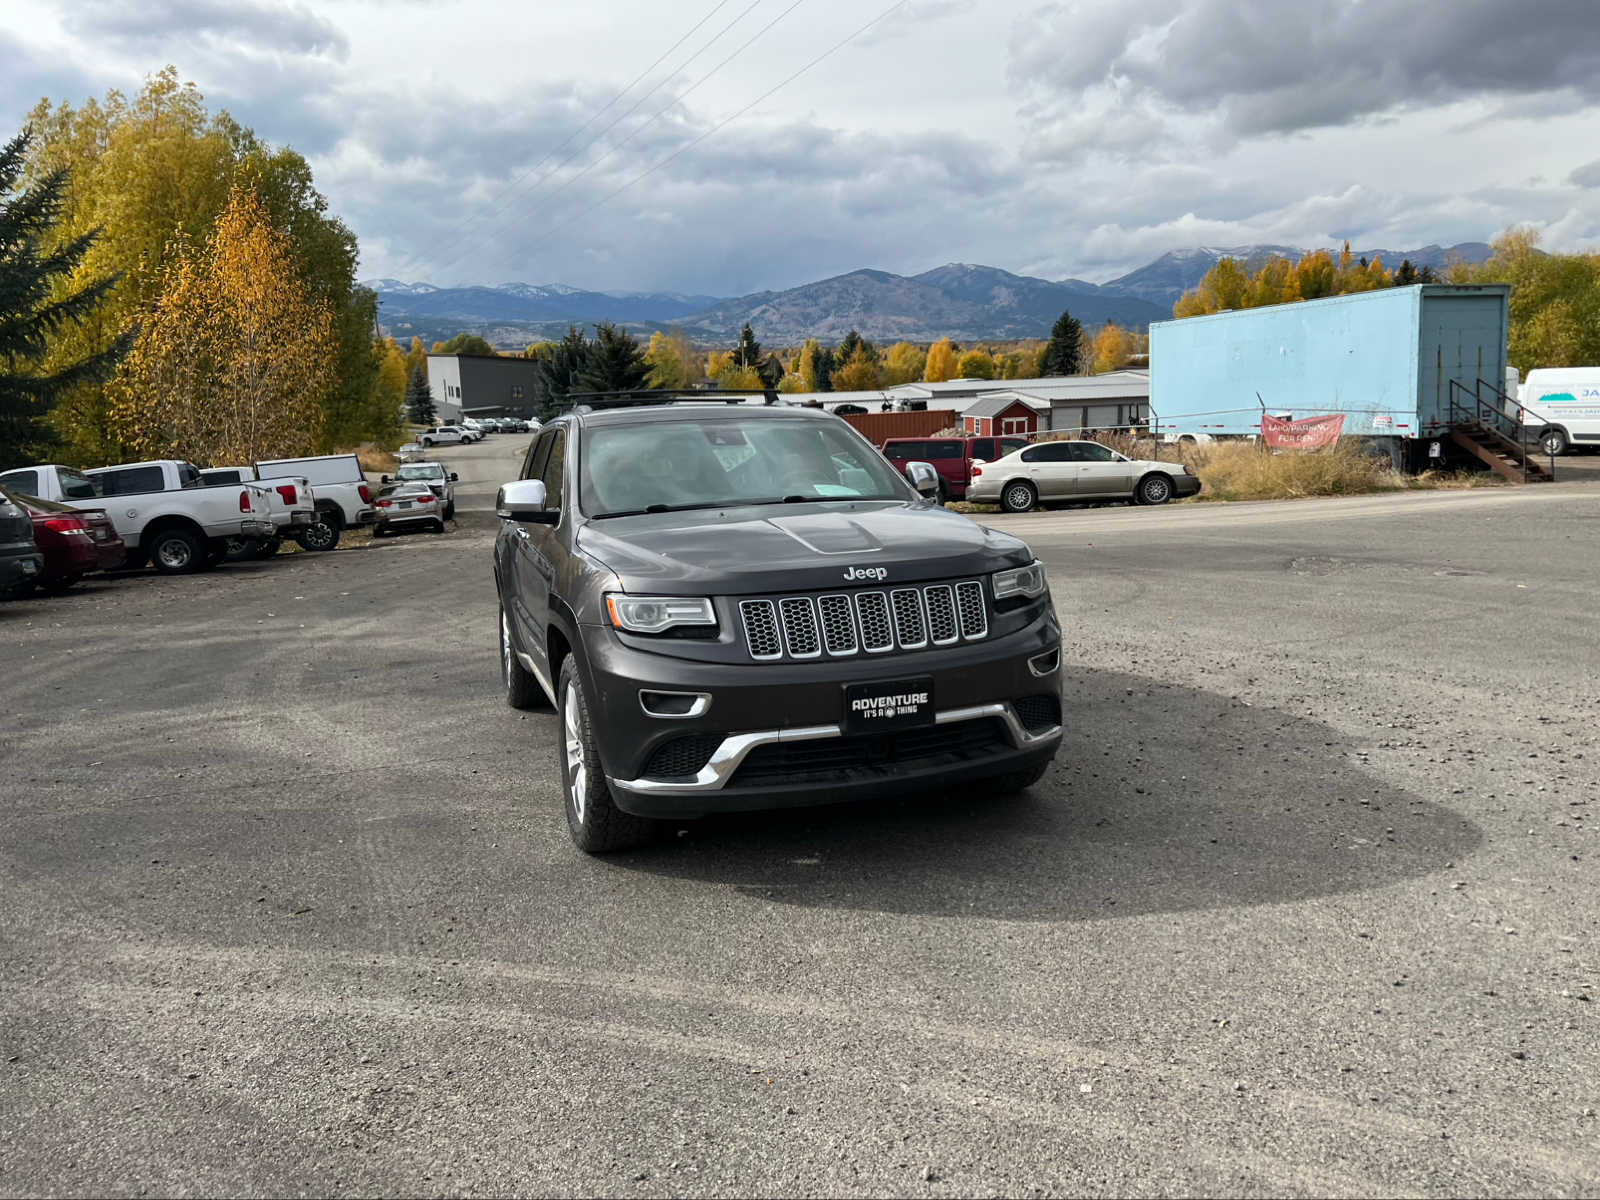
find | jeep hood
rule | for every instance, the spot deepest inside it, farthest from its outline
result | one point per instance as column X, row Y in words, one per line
column 755, row 549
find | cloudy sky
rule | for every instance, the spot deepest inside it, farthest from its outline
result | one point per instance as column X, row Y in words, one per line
column 472, row 142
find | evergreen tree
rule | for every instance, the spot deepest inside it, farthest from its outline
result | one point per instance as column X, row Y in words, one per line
column 853, row 341
column 29, row 317
column 824, row 364
column 419, row 398
column 560, row 365
column 748, row 352
column 616, row 363
column 1062, row 352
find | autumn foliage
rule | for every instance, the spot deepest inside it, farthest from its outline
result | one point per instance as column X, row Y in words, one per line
column 234, row 355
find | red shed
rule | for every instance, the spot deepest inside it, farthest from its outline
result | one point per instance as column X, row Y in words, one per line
column 998, row 416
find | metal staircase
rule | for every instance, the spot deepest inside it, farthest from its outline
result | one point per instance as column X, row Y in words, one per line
column 1490, row 428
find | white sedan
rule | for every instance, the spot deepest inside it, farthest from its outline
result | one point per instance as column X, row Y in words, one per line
column 1061, row 471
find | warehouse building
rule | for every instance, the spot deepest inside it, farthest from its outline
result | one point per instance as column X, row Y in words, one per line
column 473, row 385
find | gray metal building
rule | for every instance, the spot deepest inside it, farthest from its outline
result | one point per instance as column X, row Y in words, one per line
column 471, row 385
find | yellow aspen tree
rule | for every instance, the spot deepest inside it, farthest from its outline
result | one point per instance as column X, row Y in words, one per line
column 902, row 364
column 941, row 362
column 975, row 364
column 859, row 374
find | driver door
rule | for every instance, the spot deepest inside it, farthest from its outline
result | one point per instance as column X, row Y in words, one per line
column 531, row 567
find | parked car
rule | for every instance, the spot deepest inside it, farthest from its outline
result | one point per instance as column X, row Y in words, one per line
column 952, row 457
column 20, row 560
column 161, row 509
column 411, row 452
column 1050, row 472
column 440, row 435
column 343, row 496
column 737, row 607
column 401, row 505
column 72, row 542
column 468, row 433
column 435, row 476
column 290, row 500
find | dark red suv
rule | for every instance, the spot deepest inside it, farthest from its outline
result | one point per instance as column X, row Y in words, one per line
column 952, row 457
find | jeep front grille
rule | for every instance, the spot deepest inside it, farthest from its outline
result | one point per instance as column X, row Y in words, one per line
column 841, row 624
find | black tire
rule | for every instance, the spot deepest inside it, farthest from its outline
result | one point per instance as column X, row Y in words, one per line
column 597, row 825
column 1019, row 496
column 1553, row 442
column 1154, row 488
column 321, row 535
column 1017, row 781
column 425, row 442
column 241, row 548
column 522, row 686
column 177, row 552
column 450, row 511
column 268, row 547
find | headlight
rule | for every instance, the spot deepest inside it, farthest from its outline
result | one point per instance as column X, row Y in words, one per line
column 1023, row 581
column 656, row 614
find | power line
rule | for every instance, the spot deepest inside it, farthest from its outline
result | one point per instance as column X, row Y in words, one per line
column 594, row 116
column 645, row 174
column 678, row 99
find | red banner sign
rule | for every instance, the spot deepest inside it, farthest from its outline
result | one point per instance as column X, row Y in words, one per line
column 1312, row 433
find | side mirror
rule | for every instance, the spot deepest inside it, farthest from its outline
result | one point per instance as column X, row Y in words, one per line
column 524, row 500
column 923, row 477
column 383, row 479
column 454, row 478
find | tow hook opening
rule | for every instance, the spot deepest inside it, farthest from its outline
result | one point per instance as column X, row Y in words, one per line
column 677, row 705
column 1046, row 663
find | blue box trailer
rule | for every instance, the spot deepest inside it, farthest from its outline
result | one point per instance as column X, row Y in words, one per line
column 1385, row 359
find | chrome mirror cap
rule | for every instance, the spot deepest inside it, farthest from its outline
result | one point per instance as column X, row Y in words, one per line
column 521, row 500
column 923, row 477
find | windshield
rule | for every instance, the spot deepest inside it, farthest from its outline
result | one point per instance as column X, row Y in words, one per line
column 420, row 471
column 662, row 466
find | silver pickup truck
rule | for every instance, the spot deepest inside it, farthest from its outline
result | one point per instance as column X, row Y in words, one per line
column 290, row 499
column 161, row 509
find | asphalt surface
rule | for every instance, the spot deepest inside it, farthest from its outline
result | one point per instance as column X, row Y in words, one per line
column 1306, row 905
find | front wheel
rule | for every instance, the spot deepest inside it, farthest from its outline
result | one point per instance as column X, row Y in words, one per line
column 1553, row 442
column 597, row 825
column 323, row 534
column 1154, row 489
column 1019, row 497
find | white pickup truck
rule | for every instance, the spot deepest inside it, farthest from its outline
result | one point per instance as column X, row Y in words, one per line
column 290, row 500
column 344, row 497
column 161, row 509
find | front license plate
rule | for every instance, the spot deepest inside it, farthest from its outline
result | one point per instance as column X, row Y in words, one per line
column 892, row 704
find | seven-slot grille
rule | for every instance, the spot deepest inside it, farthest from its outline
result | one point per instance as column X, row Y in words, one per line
column 845, row 623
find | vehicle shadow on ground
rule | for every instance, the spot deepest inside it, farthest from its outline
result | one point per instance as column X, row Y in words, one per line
column 1162, row 799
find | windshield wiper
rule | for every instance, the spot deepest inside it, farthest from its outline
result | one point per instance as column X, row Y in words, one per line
column 665, row 508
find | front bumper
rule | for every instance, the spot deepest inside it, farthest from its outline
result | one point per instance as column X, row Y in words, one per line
column 759, row 713
column 1185, row 485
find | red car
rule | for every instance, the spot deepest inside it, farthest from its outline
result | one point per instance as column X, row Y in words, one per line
column 74, row 541
column 952, row 457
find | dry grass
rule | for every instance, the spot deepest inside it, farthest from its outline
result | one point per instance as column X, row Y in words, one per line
column 373, row 460
column 1250, row 471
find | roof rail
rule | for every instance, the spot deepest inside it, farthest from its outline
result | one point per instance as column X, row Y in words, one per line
column 646, row 396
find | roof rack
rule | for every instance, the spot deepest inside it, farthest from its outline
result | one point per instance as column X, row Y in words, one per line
column 645, row 396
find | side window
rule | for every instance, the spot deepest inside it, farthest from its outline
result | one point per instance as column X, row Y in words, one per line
column 1011, row 445
column 900, row 451
column 1048, row 452
column 533, row 464
column 131, row 481
column 75, row 486
column 555, row 469
column 943, row 449
column 222, row 477
column 983, row 448
column 22, row 481
column 1094, row 452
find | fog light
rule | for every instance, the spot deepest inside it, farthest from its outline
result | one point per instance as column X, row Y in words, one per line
column 1046, row 663
column 674, row 704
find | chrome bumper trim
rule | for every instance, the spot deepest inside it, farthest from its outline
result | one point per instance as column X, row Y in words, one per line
column 725, row 760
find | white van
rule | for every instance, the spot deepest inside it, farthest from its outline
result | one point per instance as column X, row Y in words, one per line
column 1561, row 407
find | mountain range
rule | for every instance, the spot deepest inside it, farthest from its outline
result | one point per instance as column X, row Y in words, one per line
column 960, row 300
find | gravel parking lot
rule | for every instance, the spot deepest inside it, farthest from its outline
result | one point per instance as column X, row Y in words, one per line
column 1306, row 905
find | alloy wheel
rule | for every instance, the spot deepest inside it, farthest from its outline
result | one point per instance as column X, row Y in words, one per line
column 174, row 553
column 577, row 771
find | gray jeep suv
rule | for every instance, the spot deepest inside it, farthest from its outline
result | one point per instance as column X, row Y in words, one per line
column 739, row 607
